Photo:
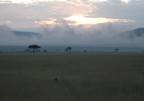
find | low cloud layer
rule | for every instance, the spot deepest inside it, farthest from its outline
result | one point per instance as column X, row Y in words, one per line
column 133, row 34
column 63, row 34
column 10, row 37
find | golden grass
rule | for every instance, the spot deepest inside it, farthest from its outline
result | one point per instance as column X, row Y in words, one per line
column 81, row 77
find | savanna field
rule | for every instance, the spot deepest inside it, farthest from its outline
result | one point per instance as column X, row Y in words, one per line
column 75, row 77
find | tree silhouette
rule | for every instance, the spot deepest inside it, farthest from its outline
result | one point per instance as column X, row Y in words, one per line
column 116, row 50
column 34, row 48
column 68, row 49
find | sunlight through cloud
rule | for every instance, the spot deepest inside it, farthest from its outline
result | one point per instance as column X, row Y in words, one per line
column 80, row 19
column 46, row 22
column 126, row 1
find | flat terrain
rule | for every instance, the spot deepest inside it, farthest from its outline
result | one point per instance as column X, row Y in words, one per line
column 80, row 77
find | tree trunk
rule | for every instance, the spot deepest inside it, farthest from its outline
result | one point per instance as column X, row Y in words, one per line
column 33, row 51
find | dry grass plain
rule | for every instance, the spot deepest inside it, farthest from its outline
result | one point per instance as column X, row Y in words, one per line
column 81, row 77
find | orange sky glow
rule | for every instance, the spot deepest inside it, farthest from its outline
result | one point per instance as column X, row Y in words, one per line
column 82, row 20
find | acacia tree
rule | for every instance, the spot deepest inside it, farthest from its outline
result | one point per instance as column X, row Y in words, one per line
column 34, row 48
column 116, row 50
column 68, row 49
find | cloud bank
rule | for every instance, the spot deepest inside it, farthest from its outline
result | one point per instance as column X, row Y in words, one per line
column 107, row 35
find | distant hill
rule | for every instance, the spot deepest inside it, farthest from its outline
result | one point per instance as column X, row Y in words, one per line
column 7, row 31
column 139, row 32
column 26, row 34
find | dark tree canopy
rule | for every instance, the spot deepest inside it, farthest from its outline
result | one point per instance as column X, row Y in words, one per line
column 68, row 48
column 116, row 50
column 34, row 47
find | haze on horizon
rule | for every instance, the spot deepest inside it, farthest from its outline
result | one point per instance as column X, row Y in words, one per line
column 71, row 22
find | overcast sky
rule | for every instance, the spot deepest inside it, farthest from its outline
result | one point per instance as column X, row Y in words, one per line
column 75, row 22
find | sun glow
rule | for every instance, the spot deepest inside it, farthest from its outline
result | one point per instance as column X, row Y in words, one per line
column 126, row 1
column 46, row 22
column 80, row 19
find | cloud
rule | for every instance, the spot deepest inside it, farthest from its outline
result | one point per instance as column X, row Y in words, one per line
column 30, row 35
column 30, row 14
column 116, row 9
column 97, row 35
column 80, row 19
column 126, row 1
column 133, row 34
column 37, row 1
column 88, row 22
column 47, row 22
column 64, row 34
column 46, row 13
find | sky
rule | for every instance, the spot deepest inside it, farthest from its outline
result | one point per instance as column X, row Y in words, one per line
column 71, row 22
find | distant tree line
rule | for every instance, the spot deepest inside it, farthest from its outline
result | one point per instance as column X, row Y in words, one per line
column 35, row 48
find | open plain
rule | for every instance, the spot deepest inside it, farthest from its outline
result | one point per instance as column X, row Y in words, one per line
column 75, row 77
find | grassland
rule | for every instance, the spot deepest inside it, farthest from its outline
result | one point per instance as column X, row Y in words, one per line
column 81, row 77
